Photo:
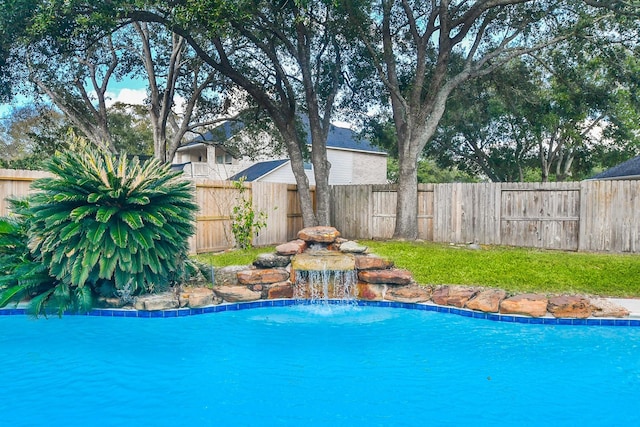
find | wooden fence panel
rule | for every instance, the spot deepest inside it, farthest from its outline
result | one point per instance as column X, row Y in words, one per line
column 213, row 221
column 351, row 210
column 294, row 211
column 610, row 216
column 425, row 211
column 466, row 213
column 541, row 216
column 383, row 211
column 271, row 199
column 16, row 184
column 369, row 211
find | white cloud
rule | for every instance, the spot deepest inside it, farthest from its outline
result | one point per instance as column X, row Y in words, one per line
column 138, row 97
column 127, row 96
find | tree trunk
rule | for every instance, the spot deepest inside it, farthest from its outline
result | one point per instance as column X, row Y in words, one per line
column 544, row 163
column 407, row 199
column 291, row 139
column 304, row 193
column 323, row 197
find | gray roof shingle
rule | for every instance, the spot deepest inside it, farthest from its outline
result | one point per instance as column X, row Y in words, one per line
column 257, row 170
column 339, row 137
column 625, row 170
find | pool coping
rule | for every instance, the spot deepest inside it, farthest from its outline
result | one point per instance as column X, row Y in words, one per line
column 183, row 312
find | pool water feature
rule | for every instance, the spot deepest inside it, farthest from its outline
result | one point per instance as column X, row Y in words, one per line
column 315, row 365
column 320, row 275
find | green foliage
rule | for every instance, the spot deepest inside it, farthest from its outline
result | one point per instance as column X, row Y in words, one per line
column 555, row 118
column 22, row 275
column 30, row 135
column 130, row 129
column 105, row 224
column 244, row 219
column 516, row 269
column 430, row 172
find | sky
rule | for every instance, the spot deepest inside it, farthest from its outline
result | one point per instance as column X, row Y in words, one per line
column 126, row 91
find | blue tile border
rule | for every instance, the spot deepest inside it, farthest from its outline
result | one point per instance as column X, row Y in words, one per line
column 495, row 317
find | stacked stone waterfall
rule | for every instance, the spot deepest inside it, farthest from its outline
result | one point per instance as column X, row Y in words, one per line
column 322, row 271
column 318, row 266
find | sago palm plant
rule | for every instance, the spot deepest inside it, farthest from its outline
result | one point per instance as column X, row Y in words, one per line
column 107, row 224
column 22, row 275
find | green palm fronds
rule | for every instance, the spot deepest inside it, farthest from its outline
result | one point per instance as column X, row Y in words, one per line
column 22, row 275
column 102, row 218
column 103, row 222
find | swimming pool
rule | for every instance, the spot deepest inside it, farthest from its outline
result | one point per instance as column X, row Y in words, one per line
column 315, row 365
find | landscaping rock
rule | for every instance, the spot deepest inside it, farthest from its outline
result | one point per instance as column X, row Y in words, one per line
column 272, row 260
column 280, row 290
column 570, row 306
column 603, row 307
column 372, row 262
column 533, row 305
column 488, row 300
column 352, row 247
column 228, row 276
column 202, row 276
column 323, row 261
column 456, row 296
column 392, row 277
column 197, row 297
column 320, row 234
column 163, row 301
column 236, row 293
column 411, row 293
column 335, row 246
column 255, row 277
column 291, row 248
column 112, row 302
column 370, row 292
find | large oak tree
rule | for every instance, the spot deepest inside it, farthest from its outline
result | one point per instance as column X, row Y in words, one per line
column 423, row 50
column 286, row 55
column 73, row 60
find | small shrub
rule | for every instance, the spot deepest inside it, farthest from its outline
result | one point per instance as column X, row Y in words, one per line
column 109, row 225
column 244, row 220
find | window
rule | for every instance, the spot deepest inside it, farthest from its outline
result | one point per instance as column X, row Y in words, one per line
column 228, row 159
column 308, row 166
column 219, row 160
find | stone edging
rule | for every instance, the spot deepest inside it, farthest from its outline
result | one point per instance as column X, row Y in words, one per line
column 182, row 312
column 272, row 277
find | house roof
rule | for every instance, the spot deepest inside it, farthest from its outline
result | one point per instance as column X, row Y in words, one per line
column 340, row 138
column 626, row 170
column 220, row 133
column 346, row 139
column 258, row 170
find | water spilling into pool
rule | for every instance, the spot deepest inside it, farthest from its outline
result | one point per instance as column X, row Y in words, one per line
column 321, row 275
column 315, row 365
column 320, row 286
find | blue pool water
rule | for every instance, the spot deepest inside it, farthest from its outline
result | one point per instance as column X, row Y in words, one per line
column 309, row 365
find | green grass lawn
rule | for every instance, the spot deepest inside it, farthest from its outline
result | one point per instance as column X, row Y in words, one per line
column 516, row 269
column 233, row 257
column 512, row 269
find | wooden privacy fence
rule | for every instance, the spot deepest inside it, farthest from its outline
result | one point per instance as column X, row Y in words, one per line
column 585, row 216
column 15, row 183
column 599, row 216
column 216, row 200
